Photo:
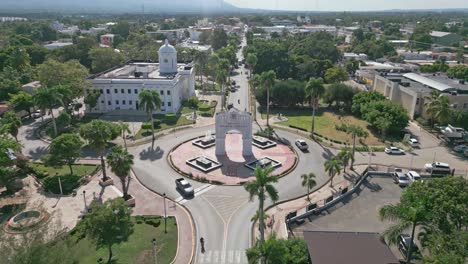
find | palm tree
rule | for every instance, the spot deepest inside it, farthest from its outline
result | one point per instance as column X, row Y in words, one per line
column 123, row 128
column 48, row 99
column 221, row 80
column 150, row 101
column 257, row 216
column 261, row 187
column 333, row 167
column 121, row 163
column 98, row 133
column 357, row 132
column 440, row 109
column 267, row 80
column 251, row 61
column 404, row 217
column 345, row 156
column 11, row 123
column 308, row 180
column 314, row 90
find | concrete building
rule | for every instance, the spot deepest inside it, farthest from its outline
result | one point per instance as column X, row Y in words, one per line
column 411, row 90
column 119, row 87
column 348, row 56
column 56, row 45
column 445, row 38
column 196, row 46
column 107, row 40
column 170, row 34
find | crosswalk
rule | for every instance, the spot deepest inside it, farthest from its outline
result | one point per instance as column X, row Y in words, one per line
column 222, row 257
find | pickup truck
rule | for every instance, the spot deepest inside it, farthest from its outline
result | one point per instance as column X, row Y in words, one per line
column 184, row 187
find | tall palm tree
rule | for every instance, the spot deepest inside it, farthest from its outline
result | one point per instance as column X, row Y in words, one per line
column 308, row 180
column 345, row 155
column 357, row 132
column 121, row 163
column 221, row 75
column 251, row 61
column 267, row 80
column 11, row 124
column 440, row 109
column 98, row 133
column 314, row 90
column 403, row 217
column 48, row 99
column 333, row 167
column 123, row 128
column 150, row 101
column 262, row 187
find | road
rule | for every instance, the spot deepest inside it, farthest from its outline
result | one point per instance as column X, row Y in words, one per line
column 240, row 98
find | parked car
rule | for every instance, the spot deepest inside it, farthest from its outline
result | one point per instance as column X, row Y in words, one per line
column 184, row 186
column 36, row 114
column 394, row 150
column 413, row 176
column 301, row 144
column 413, row 142
column 401, row 179
column 460, row 148
column 403, row 245
column 437, row 168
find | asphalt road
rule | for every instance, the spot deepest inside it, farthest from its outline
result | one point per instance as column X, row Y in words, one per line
column 240, row 98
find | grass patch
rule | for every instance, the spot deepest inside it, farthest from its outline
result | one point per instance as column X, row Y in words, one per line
column 48, row 176
column 137, row 249
column 167, row 121
column 325, row 122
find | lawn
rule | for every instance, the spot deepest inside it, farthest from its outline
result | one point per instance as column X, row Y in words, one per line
column 167, row 121
column 204, row 108
column 48, row 175
column 325, row 122
column 137, row 249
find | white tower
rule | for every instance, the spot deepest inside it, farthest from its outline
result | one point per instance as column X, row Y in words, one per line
column 167, row 58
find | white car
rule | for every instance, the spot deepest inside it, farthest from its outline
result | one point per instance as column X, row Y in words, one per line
column 301, row 144
column 413, row 176
column 437, row 167
column 413, row 142
column 394, row 150
column 36, row 114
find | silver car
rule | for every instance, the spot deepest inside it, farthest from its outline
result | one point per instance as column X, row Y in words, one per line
column 301, row 144
column 401, row 179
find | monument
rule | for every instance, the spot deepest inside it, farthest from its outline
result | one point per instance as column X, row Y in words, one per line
column 234, row 120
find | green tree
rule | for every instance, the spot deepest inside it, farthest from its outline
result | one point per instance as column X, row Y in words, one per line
column 279, row 251
column 363, row 98
column 121, row 163
column 267, row 80
column 357, row 132
column 22, row 101
column 150, row 101
column 387, row 116
column 314, row 89
column 91, row 99
column 11, row 124
column 340, row 94
column 336, row 74
column 308, row 180
column 98, row 133
column 124, row 128
column 262, row 187
column 65, row 149
column 251, row 61
column 109, row 224
column 48, row 99
column 219, row 39
column 333, row 167
column 104, row 58
column 221, row 75
column 440, row 109
column 345, row 156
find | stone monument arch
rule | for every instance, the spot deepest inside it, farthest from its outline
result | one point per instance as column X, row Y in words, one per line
column 234, row 120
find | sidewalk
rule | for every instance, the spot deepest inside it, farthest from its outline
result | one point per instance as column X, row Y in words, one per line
column 277, row 214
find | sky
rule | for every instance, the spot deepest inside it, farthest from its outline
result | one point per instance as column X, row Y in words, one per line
column 348, row 5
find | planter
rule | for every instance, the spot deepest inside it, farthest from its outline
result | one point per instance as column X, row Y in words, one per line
column 130, row 201
column 107, row 182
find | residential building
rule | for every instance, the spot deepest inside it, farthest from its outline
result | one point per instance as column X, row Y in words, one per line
column 348, row 56
column 196, row 46
column 170, row 34
column 445, row 38
column 56, row 45
column 412, row 91
column 120, row 86
column 107, row 40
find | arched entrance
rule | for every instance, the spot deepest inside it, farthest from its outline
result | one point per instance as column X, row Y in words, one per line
column 234, row 120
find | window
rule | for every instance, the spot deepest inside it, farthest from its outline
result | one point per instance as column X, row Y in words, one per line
column 122, row 91
column 136, row 91
column 169, row 104
column 107, row 91
column 116, row 91
column 161, row 92
column 102, row 101
column 116, row 102
column 130, row 102
column 417, row 101
column 129, row 91
column 168, row 92
column 123, row 102
column 108, row 102
column 162, row 103
column 101, row 91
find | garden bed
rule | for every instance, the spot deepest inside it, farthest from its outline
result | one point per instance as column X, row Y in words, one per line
column 162, row 122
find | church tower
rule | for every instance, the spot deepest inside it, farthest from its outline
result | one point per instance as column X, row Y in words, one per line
column 167, row 58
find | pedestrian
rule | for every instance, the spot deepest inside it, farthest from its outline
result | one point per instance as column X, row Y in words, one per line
column 202, row 242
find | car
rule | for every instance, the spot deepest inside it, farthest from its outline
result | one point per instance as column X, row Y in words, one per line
column 401, row 179
column 437, row 168
column 394, row 150
column 301, row 144
column 36, row 114
column 413, row 176
column 413, row 142
column 184, row 187
column 460, row 148
column 403, row 245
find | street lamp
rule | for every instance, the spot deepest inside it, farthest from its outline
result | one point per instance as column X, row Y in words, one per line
column 165, row 214
column 154, row 250
column 84, row 199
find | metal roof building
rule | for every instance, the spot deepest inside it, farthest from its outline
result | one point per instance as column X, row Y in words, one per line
column 442, row 87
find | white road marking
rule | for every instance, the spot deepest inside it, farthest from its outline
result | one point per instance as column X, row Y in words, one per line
column 199, row 191
column 223, row 256
column 215, row 256
column 231, row 256
column 238, row 256
column 208, row 256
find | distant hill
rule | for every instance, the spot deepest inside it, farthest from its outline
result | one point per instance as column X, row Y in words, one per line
column 117, row 6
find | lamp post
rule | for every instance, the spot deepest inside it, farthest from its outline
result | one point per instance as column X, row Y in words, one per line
column 84, row 199
column 154, row 249
column 165, row 214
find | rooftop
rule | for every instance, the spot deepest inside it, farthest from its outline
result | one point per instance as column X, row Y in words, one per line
column 347, row 247
column 137, row 70
column 437, row 81
column 439, row 34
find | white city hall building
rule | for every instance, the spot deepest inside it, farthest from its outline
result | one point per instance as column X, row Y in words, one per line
column 119, row 87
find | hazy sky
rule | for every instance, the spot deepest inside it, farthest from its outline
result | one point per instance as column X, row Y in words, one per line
column 349, row 5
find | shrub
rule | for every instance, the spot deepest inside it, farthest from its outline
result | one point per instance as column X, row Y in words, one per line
column 296, row 127
column 69, row 183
